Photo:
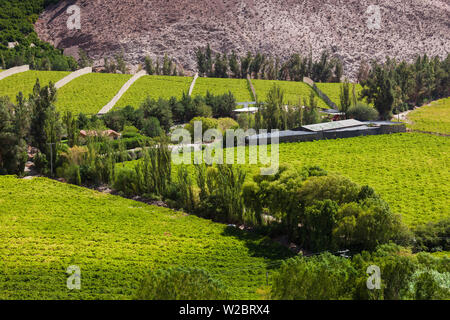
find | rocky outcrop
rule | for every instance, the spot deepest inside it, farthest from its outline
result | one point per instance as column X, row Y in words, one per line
column 278, row 27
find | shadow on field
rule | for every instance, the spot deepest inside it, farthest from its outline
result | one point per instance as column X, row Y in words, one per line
column 260, row 246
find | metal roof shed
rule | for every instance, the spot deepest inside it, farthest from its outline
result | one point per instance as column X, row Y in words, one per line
column 327, row 126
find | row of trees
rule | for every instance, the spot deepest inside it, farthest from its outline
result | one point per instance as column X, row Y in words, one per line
column 260, row 66
column 321, row 277
column 276, row 114
column 399, row 86
column 166, row 68
column 329, row 277
column 318, row 211
column 32, row 121
column 154, row 115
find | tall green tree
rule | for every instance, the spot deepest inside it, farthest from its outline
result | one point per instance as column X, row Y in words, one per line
column 344, row 97
column 14, row 126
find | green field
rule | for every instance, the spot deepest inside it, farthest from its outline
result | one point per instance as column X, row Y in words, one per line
column 155, row 87
column 409, row 170
column 46, row 226
column 293, row 91
column 238, row 87
column 89, row 93
column 25, row 82
column 433, row 118
column 333, row 90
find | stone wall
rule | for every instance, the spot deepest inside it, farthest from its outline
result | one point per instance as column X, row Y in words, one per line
column 14, row 70
column 72, row 76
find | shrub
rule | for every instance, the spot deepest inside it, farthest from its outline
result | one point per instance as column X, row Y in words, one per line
column 181, row 284
column 225, row 124
column 125, row 181
column 322, row 277
column 433, row 237
column 151, row 127
column 130, row 132
column 362, row 112
column 207, row 123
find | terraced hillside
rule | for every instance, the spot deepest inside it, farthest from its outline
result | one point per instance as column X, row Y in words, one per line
column 89, row 93
column 293, row 91
column 431, row 118
column 47, row 226
column 25, row 81
column 155, row 87
column 238, row 87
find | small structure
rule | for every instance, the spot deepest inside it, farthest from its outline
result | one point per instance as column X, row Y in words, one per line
column 333, row 114
column 331, row 130
column 12, row 45
column 245, row 107
column 113, row 135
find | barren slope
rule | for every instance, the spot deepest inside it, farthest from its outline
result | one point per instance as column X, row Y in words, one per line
column 278, row 27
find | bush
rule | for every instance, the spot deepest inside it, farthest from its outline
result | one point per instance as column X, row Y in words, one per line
column 151, row 127
column 322, row 277
column 433, row 237
column 225, row 124
column 130, row 132
column 362, row 112
column 125, row 181
column 181, row 284
column 207, row 123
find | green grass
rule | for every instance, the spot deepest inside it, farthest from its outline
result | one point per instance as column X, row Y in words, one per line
column 293, row 91
column 46, row 226
column 238, row 87
column 433, row 118
column 333, row 90
column 89, row 93
column 156, row 87
column 25, row 81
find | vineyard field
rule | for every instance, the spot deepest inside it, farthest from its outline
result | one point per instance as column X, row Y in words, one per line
column 293, row 91
column 433, row 118
column 238, row 87
column 155, row 87
column 25, row 81
column 407, row 170
column 47, row 226
column 89, row 93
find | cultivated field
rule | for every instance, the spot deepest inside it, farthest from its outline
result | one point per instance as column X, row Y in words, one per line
column 46, row 226
column 407, row 170
column 433, row 118
column 25, row 81
column 156, row 87
column 238, row 87
column 293, row 91
column 333, row 90
column 89, row 93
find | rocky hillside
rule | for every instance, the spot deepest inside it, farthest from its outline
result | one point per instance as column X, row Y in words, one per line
column 277, row 27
